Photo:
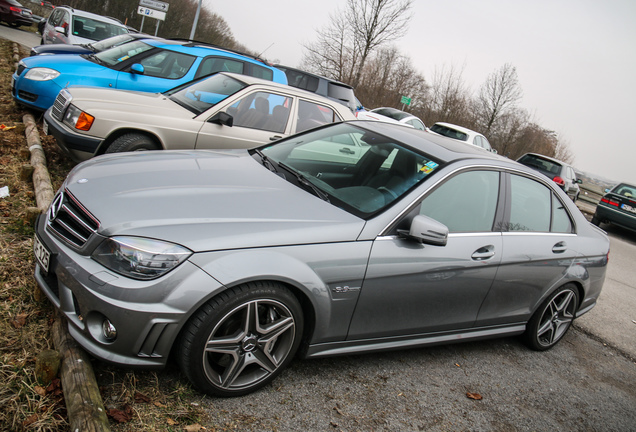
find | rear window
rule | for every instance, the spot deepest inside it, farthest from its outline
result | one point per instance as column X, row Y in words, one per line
column 302, row 81
column 541, row 164
column 448, row 132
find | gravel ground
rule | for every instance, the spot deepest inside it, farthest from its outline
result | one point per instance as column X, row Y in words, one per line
column 579, row 385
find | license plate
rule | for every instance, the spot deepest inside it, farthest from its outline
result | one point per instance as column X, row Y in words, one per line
column 45, row 127
column 42, row 255
column 628, row 208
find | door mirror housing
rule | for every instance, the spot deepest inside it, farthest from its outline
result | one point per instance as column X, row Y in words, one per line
column 426, row 230
column 222, row 118
column 137, row 69
column 61, row 30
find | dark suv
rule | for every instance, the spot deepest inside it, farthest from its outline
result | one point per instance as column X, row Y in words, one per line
column 327, row 87
column 560, row 172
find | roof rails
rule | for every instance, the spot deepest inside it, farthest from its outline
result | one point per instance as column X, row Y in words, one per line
column 194, row 43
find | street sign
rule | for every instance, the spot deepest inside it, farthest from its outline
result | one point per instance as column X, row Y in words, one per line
column 405, row 100
column 154, row 4
column 151, row 13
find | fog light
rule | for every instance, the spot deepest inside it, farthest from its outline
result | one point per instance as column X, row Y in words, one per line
column 109, row 330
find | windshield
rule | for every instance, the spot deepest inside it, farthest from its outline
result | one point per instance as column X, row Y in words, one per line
column 111, row 42
column 89, row 28
column 113, row 56
column 201, row 95
column 351, row 167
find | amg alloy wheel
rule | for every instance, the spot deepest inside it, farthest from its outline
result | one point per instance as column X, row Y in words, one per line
column 553, row 319
column 242, row 339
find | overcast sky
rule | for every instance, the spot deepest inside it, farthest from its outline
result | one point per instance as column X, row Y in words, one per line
column 575, row 59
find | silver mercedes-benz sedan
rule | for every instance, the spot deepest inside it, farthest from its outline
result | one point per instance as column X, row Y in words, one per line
column 350, row 238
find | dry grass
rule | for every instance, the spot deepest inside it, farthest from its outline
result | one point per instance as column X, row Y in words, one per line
column 140, row 400
column 25, row 315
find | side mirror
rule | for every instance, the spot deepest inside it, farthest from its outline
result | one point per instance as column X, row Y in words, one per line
column 62, row 30
column 137, row 69
column 222, row 118
column 426, row 230
column 494, row 151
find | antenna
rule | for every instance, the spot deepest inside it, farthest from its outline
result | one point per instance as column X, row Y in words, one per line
column 270, row 45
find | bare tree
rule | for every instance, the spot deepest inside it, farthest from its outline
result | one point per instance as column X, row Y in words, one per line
column 448, row 98
column 498, row 96
column 343, row 47
column 387, row 76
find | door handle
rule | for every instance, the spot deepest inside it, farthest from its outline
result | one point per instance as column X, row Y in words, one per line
column 275, row 137
column 560, row 247
column 346, row 150
column 484, row 253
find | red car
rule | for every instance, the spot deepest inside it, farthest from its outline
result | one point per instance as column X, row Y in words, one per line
column 14, row 14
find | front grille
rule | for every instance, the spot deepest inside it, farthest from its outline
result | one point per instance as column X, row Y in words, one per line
column 62, row 101
column 70, row 221
column 30, row 97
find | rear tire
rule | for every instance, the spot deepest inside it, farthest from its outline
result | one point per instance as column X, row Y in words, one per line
column 553, row 319
column 241, row 340
column 132, row 142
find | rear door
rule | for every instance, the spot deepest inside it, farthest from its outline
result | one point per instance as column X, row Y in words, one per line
column 539, row 249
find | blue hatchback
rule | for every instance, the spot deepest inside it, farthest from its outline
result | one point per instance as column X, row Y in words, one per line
column 149, row 65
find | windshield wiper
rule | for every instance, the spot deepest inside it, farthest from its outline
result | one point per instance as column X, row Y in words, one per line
column 267, row 162
column 95, row 59
column 303, row 181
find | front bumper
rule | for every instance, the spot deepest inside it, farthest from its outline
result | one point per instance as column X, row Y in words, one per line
column 148, row 315
column 78, row 146
column 37, row 95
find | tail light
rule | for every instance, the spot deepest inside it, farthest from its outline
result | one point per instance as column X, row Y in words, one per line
column 609, row 201
column 15, row 9
column 558, row 180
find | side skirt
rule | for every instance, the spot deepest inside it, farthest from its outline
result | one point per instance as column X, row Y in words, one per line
column 399, row 343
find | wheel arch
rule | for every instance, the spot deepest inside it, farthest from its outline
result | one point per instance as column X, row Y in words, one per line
column 121, row 132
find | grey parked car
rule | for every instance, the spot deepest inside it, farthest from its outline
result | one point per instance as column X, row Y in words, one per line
column 237, row 260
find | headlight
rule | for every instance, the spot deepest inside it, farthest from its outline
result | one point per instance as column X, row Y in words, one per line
column 78, row 119
column 41, row 74
column 140, row 258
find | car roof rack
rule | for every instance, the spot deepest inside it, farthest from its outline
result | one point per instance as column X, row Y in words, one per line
column 194, row 43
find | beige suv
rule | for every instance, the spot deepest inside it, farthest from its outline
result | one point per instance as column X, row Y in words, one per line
column 222, row 111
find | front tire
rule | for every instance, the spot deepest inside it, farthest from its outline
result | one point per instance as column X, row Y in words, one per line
column 132, row 142
column 242, row 339
column 553, row 319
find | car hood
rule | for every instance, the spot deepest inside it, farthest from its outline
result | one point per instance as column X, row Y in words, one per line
column 63, row 63
column 204, row 200
column 97, row 100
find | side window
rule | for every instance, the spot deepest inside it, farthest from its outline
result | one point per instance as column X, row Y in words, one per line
column 477, row 141
column 167, row 64
column 465, row 203
column 561, row 222
column 530, row 205
column 56, row 17
column 311, row 115
column 261, row 72
column 416, row 124
column 212, row 65
column 262, row 110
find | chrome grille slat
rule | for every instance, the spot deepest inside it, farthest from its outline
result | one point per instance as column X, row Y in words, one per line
column 70, row 221
column 62, row 100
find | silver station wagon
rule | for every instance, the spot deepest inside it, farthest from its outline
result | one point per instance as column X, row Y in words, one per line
column 348, row 238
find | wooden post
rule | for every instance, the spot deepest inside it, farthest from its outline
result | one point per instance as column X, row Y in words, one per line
column 41, row 180
column 84, row 404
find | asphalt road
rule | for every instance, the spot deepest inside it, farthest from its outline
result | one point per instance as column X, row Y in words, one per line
column 587, row 382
